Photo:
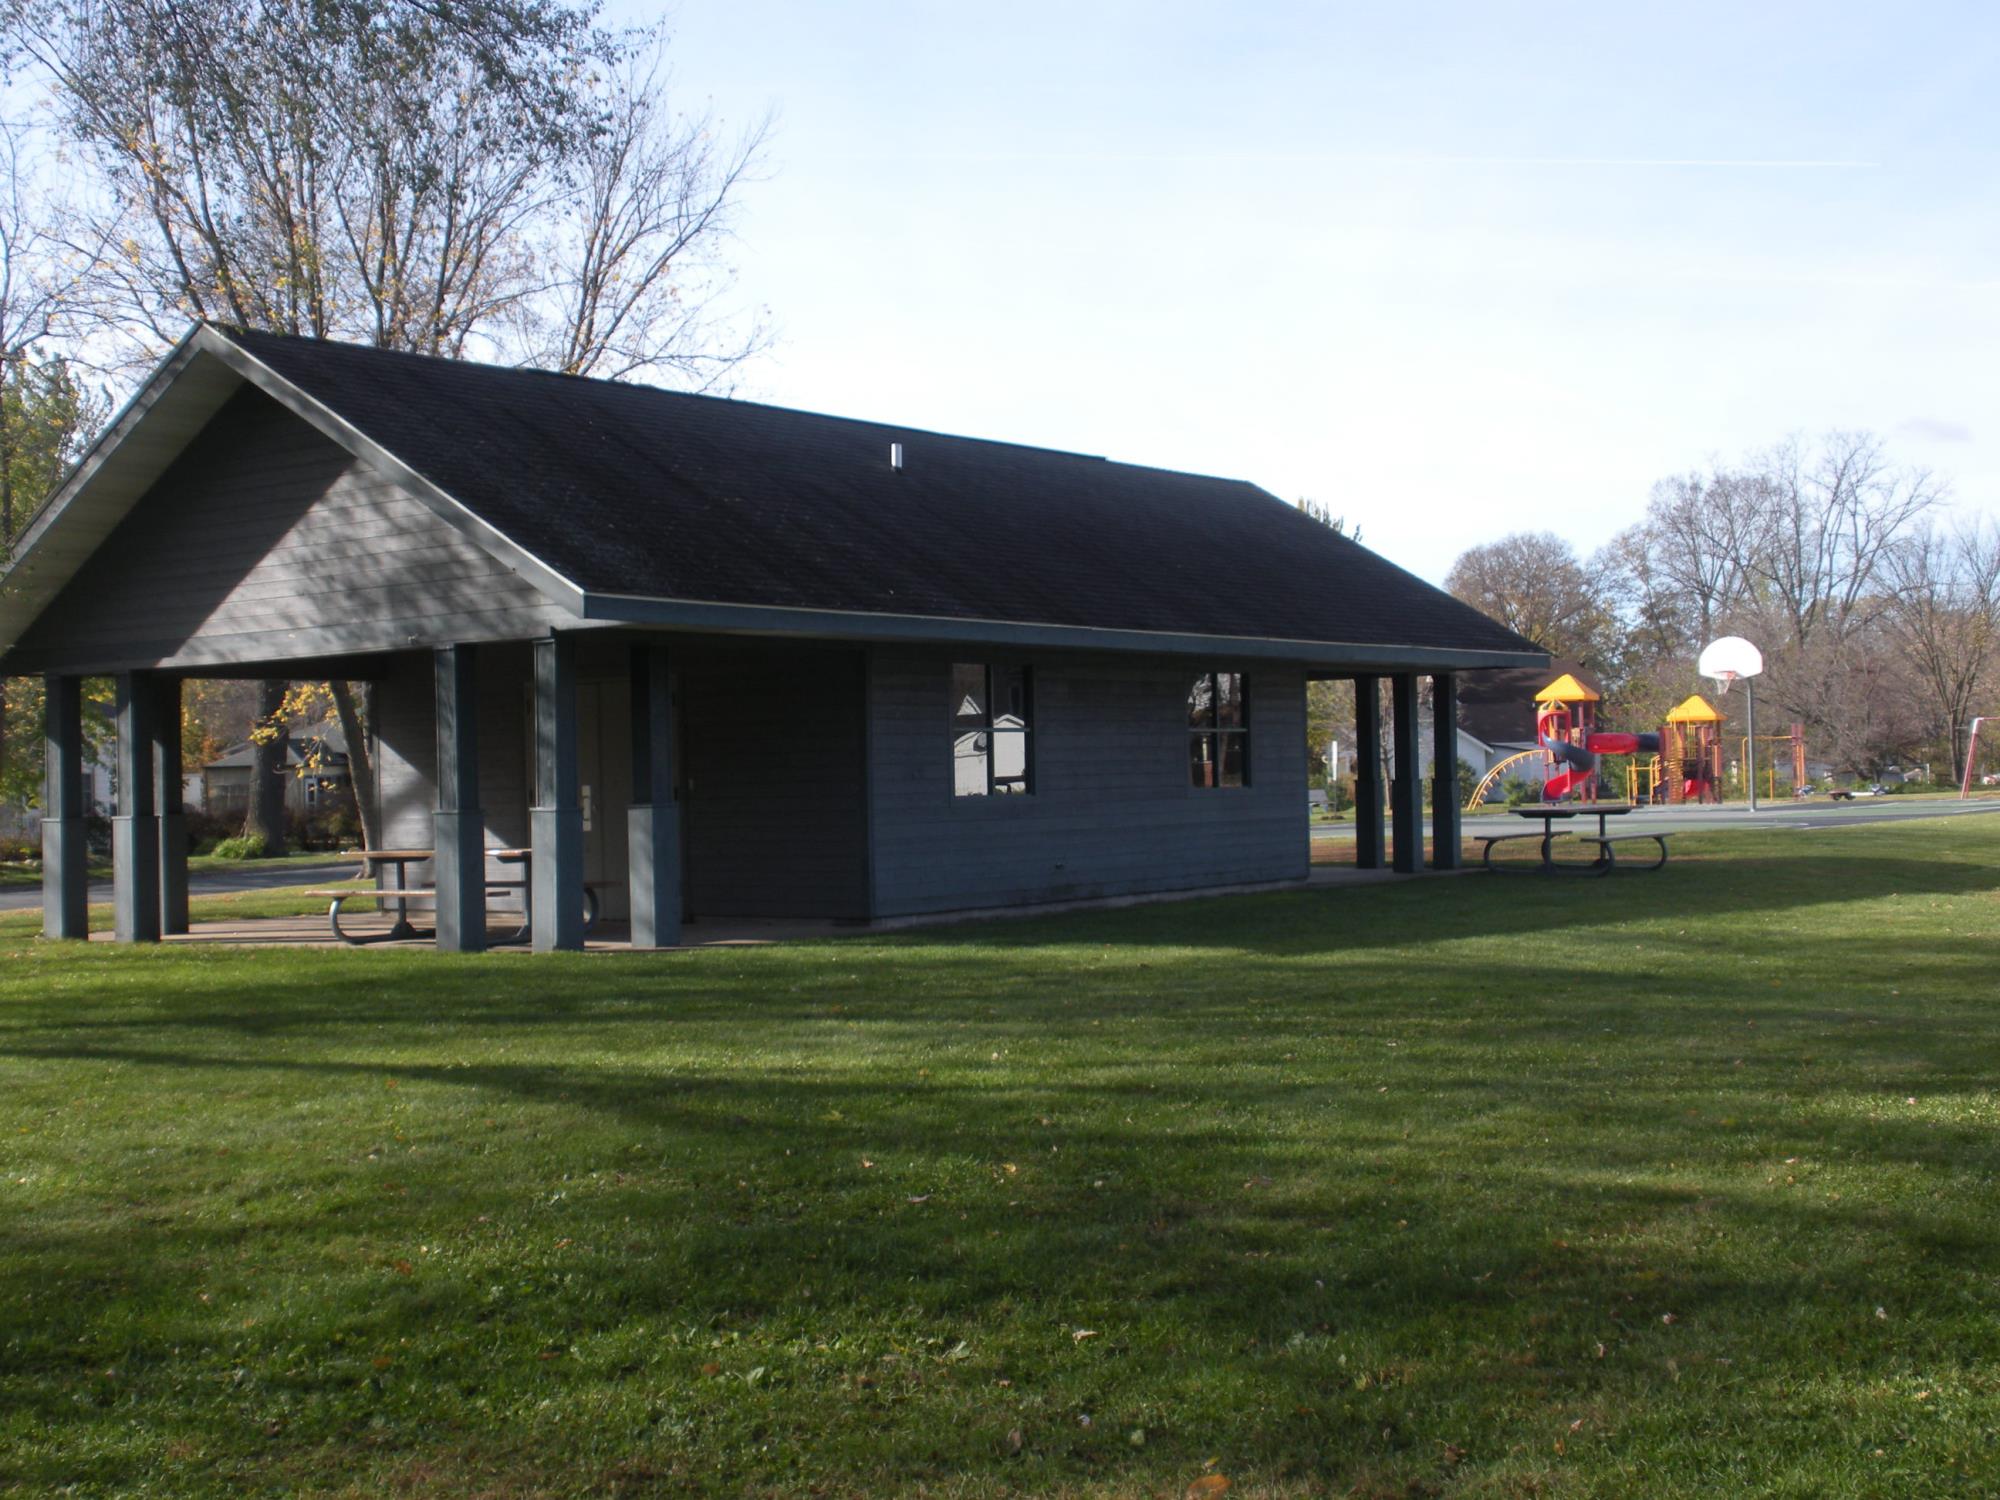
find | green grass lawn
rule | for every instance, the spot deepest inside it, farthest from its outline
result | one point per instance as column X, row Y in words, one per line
column 28, row 872
column 1675, row 1184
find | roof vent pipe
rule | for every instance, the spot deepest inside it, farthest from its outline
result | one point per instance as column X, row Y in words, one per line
column 895, row 455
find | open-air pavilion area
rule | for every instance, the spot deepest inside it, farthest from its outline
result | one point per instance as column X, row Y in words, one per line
column 679, row 658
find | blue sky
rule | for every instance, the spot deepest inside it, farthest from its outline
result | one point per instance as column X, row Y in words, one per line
column 1453, row 270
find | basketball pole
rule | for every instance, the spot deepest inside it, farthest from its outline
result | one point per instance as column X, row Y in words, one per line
column 1750, row 748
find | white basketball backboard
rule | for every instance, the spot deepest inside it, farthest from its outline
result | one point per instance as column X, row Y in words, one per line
column 1730, row 658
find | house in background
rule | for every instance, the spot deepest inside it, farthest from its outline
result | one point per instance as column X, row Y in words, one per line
column 716, row 658
column 315, row 772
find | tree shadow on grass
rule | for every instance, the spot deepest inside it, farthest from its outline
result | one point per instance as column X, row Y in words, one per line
column 1329, row 1197
column 1399, row 1269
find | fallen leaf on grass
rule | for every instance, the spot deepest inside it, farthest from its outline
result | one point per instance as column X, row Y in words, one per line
column 1208, row 1484
column 1084, row 1333
column 1014, row 1441
column 711, row 1369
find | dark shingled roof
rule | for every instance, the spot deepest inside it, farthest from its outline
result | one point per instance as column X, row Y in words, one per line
column 632, row 490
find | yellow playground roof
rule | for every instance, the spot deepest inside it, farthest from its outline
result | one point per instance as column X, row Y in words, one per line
column 1697, row 710
column 1566, row 689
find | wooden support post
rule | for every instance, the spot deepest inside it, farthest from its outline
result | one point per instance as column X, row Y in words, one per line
column 1406, row 788
column 653, row 828
column 1446, row 841
column 1369, row 845
column 169, row 805
column 65, row 845
column 135, row 830
column 556, row 819
column 460, row 821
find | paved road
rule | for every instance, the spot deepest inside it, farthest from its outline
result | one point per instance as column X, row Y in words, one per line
column 252, row 877
column 1801, row 815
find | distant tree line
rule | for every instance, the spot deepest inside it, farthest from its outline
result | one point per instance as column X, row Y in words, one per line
column 1878, row 612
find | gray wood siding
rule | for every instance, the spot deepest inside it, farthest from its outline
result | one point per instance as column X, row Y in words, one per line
column 775, row 808
column 1112, row 812
column 266, row 541
column 405, row 730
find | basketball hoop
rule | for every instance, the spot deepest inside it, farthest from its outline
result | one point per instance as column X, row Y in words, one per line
column 1728, row 659
column 1725, row 661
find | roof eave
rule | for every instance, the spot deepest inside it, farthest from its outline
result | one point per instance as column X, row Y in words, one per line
column 748, row 619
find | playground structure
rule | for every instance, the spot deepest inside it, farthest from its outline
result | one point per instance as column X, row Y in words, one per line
column 1570, row 742
column 1681, row 764
column 1693, row 753
column 1794, row 743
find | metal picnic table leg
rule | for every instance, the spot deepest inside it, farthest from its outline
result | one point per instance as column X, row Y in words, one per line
column 526, row 931
column 401, row 928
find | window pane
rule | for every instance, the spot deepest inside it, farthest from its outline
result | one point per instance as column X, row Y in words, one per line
column 968, row 764
column 968, row 694
column 1201, row 759
column 1201, row 703
column 1010, row 760
column 1235, row 756
column 1229, row 706
column 1010, row 695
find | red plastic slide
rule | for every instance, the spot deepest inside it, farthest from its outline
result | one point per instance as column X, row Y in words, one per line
column 1561, row 782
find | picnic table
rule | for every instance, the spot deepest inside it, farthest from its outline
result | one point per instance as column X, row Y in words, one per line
column 396, row 864
column 1551, row 813
column 399, row 894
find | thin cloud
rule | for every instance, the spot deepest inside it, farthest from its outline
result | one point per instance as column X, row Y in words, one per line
column 1718, row 163
column 1934, row 430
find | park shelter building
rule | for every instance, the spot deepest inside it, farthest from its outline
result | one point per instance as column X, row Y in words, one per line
column 715, row 658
